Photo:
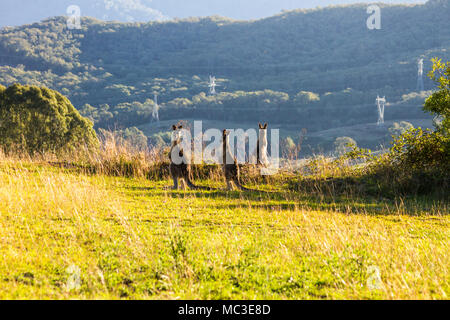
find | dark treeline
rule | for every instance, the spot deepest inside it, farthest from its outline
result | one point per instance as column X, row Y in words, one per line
column 305, row 109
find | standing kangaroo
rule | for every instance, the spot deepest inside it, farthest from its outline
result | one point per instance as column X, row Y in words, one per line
column 231, row 171
column 261, row 148
column 180, row 171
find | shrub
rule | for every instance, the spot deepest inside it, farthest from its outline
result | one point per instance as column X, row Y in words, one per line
column 40, row 120
column 417, row 163
column 400, row 128
column 343, row 145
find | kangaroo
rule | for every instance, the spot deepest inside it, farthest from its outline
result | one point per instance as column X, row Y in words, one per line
column 231, row 171
column 180, row 171
column 262, row 145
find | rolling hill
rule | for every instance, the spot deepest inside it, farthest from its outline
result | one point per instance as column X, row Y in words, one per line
column 110, row 70
column 149, row 10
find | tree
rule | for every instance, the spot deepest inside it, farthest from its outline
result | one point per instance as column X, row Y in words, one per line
column 135, row 137
column 439, row 102
column 290, row 147
column 399, row 128
column 420, row 159
column 305, row 97
column 343, row 145
column 38, row 120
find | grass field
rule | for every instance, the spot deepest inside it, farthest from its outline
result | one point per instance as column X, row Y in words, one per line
column 66, row 235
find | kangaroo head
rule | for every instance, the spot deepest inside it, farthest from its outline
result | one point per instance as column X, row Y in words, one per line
column 263, row 128
column 176, row 134
column 263, row 134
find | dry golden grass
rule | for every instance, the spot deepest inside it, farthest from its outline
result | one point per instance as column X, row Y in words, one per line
column 132, row 238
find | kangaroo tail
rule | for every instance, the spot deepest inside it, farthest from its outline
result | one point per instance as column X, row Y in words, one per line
column 195, row 187
column 241, row 187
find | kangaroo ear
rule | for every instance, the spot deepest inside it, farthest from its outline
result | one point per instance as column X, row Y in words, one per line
column 265, row 126
column 180, row 127
column 174, row 127
column 260, row 125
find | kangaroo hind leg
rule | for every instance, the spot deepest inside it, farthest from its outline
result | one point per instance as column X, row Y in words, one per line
column 175, row 183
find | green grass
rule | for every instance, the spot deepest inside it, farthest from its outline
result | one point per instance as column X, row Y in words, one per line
column 134, row 239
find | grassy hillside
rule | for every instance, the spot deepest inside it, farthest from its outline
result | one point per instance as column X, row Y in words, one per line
column 133, row 238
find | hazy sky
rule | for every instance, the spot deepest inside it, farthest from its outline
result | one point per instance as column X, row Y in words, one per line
column 18, row 12
column 247, row 9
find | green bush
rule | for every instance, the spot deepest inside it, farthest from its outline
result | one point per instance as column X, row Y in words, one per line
column 343, row 145
column 419, row 149
column 40, row 120
column 419, row 160
column 417, row 163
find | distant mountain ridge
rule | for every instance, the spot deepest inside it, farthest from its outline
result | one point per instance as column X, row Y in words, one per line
column 148, row 10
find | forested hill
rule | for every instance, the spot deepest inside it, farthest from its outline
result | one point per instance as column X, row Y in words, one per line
column 322, row 51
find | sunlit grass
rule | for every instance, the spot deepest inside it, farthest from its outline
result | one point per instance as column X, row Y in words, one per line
column 133, row 238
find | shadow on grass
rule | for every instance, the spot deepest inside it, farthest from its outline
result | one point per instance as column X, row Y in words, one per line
column 346, row 195
column 135, row 188
column 288, row 200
